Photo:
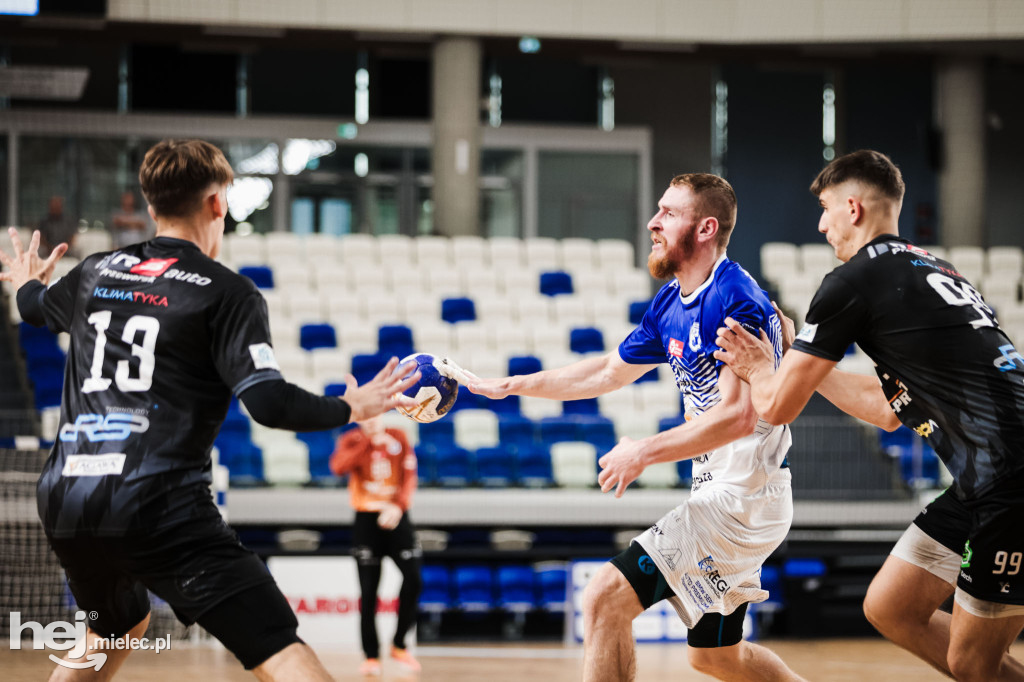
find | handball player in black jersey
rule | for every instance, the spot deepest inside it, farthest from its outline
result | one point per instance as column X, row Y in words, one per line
column 946, row 370
column 161, row 337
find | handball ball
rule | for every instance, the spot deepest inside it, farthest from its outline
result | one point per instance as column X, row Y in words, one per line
column 435, row 391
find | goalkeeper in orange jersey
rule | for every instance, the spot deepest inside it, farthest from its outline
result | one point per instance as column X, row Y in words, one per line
column 382, row 478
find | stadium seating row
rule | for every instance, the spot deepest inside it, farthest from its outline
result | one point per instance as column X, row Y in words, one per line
column 479, row 588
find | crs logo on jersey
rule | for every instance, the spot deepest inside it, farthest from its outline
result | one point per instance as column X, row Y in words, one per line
column 97, row 428
column 154, row 267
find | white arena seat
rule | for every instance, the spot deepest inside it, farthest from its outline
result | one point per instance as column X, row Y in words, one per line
column 578, row 254
column 357, row 339
column 542, row 253
column 475, row 429
column 396, row 250
column 506, row 253
column 480, row 280
column 342, row 309
column 292, row 276
column 367, row 278
column 409, row 279
column 330, row 365
column 660, row 475
column 470, row 251
column 817, row 260
column 283, row 246
column 1008, row 259
column 615, row 254
column 421, row 306
column 471, row 337
column 433, row 336
column 492, row 309
column 779, row 259
column 382, row 308
column 969, row 262
column 246, row 250
column 89, row 242
column 358, row 249
column 319, row 245
column 572, row 311
column 304, row 307
column 433, row 252
column 519, row 282
column 633, row 283
column 511, row 340
column 444, row 281
column 538, row 408
column 533, row 309
column 574, row 464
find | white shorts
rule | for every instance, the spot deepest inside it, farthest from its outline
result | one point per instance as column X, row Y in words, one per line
column 711, row 547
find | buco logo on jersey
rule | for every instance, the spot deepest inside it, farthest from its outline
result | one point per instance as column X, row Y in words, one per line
column 97, row 428
column 130, row 296
column 114, row 264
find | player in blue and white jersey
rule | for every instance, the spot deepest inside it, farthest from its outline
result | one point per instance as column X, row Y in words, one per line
column 705, row 555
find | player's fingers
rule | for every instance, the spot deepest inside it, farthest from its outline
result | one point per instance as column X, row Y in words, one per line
column 401, row 400
column 408, row 382
column 33, row 244
column 608, row 484
column 15, row 242
column 388, row 369
column 733, row 325
column 622, row 487
column 721, row 355
column 55, row 256
column 350, row 382
column 764, row 337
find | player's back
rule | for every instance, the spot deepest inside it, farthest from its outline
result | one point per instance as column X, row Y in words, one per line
column 161, row 336
column 948, row 369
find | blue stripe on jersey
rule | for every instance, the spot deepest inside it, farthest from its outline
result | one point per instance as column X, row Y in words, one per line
column 681, row 330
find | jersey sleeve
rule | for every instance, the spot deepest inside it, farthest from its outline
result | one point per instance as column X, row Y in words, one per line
column 240, row 334
column 744, row 310
column 644, row 346
column 59, row 301
column 836, row 318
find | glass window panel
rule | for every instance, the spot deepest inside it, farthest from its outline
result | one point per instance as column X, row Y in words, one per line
column 591, row 195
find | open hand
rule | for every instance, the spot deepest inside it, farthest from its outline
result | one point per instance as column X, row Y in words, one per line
column 383, row 392
column 27, row 265
column 744, row 353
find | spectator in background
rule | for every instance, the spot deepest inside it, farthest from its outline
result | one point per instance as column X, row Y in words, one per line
column 382, row 468
column 130, row 224
column 57, row 228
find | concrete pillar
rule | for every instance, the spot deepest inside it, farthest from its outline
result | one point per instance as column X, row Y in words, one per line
column 960, row 114
column 456, row 112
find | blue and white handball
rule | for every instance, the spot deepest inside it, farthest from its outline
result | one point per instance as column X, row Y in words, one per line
column 436, row 390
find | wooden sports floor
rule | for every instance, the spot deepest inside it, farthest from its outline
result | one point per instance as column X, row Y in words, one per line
column 835, row 660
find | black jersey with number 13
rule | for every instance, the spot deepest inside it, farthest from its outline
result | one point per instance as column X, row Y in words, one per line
column 161, row 337
column 947, row 369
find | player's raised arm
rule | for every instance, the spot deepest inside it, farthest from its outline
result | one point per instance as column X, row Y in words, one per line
column 26, row 265
column 587, row 378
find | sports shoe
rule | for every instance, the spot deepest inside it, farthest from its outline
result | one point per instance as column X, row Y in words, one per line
column 370, row 668
column 405, row 658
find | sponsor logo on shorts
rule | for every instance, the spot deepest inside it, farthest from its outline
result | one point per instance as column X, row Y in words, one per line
column 671, row 555
column 711, row 574
column 675, row 347
column 927, row 428
column 94, row 465
column 263, row 356
column 130, row 296
column 698, row 595
column 807, row 333
column 700, row 479
column 646, row 565
column 965, row 560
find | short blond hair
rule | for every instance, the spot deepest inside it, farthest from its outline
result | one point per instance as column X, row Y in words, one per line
column 715, row 198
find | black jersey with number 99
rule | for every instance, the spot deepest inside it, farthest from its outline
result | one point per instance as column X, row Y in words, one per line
column 947, row 369
column 161, row 335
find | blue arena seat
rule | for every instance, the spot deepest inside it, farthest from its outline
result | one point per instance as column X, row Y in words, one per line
column 437, row 594
column 598, row 430
column 586, row 340
column 555, row 283
column 496, row 467
column 516, row 590
column 474, row 588
column 336, row 389
column 582, row 406
column 523, row 364
column 261, row 275
column 558, row 429
column 637, row 310
column 321, row 445
column 395, row 339
column 365, row 366
column 441, row 432
column 458, row 310
column 317, row 336
column 426, row 462
column 685, row 469
column 533, row 464
column 515, row 430
column 919, row 466
column 454, row 468
column 667, row 423
column 551, row 587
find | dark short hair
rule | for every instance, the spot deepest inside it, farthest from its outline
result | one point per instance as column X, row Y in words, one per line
column 866, row 166
column 715, row 198
column 175, row 173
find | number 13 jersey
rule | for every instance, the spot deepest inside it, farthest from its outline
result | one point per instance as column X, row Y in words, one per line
column 161, row 336
column 947, row 369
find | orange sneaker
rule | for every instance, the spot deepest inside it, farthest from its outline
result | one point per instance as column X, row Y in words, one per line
column 405, row 658
column 370, row 668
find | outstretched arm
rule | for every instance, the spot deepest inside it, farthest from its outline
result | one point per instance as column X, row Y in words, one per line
column 587, row 378
column 732, row 418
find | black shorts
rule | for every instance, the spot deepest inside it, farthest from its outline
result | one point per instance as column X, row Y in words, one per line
column 987, row 533
column 713, row 630
column 200, row 569
column 371, row 543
